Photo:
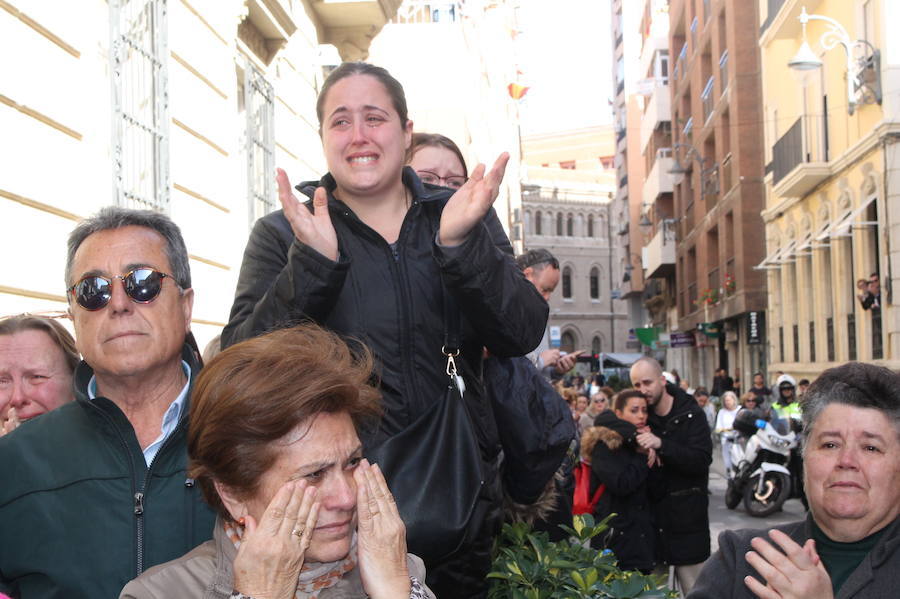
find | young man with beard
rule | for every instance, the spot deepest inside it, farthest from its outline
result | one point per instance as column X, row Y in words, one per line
column 679, row 433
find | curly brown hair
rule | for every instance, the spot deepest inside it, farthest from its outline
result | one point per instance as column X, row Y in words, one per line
column 257, row 391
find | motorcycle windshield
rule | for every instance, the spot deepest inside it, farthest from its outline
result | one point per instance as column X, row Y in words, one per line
column 782, row 426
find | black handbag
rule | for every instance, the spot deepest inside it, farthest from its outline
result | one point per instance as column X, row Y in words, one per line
column 434, row 467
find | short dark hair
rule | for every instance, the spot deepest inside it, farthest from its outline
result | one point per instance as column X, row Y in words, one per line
column 32, row 322
column 537, row 259
column 701, row 391
column 803, row 382
column 435, row 140
column 257, row 391
column 346, row 69
column 854, row 384
column 114, row 217
column 621, row 399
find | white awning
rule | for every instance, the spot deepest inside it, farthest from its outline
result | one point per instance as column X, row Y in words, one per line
column 771, row 262
column 788, row 253
column 843, row 226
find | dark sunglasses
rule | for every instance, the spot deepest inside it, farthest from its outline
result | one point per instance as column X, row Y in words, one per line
column 142, row 285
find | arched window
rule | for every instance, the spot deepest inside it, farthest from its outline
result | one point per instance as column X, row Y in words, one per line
column 567, row 283
column 528, row 222
column 590, row 225
column 596, row 346
column 567, row 342
column 538, row 220
column 559, row 224
column 570, row 226
column 595, row 283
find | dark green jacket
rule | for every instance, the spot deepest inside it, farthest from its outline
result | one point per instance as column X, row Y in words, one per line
column 72, row 523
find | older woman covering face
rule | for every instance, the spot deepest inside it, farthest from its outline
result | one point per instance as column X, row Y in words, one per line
column 274, row 446
column 849, row 545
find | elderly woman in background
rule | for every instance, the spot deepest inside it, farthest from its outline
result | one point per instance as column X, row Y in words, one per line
column 37, row 359
column 274, row 447
column 849, row 544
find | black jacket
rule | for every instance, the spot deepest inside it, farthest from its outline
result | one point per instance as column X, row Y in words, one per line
column 723, row 576
column 610, row 446
column 391, row 298
column 681, row 514
column 70, row 525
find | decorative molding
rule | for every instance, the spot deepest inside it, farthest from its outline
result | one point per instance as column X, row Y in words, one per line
column 38, row 116
column 201, row 137
column 209, row 262
column 39, row 28
column 32, row 294
column 39, row 205
column 197, row 74
column 200, row 197
column 197, row 14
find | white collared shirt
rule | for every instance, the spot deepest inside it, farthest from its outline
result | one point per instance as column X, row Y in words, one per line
column 170, row 418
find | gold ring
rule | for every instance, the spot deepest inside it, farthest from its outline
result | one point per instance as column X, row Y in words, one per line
column 298, row 531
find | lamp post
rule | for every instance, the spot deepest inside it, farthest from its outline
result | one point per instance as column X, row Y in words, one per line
column 869, row 58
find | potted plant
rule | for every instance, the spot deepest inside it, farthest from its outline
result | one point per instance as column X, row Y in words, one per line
column 527, row 565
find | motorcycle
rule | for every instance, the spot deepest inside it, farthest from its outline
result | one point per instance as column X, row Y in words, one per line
column 759, row 473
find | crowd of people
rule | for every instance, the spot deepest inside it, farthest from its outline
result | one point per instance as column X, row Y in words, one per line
column 385, row 305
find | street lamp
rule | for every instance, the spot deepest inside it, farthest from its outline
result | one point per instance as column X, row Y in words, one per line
column 870, row 58
column 705, row 171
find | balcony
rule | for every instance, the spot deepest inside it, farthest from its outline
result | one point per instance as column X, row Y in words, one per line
column 659, row 180
column 651, row 46
column 352, row 24
column 799, row 162
column 659, row 255
column 658, row 110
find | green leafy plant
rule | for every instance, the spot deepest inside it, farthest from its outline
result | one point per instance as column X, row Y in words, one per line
column 527, row 565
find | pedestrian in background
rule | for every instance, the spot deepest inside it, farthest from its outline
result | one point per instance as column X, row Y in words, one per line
column 725, row 425
column 680, row 435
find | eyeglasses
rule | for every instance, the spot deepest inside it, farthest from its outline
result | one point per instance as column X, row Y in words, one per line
column 452, row 181
column 142, row 285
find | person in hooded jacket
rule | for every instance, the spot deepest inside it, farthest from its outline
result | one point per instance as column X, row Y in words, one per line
column 617, row 461
column 373, row 257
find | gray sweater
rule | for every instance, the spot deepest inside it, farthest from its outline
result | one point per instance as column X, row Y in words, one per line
column 877, row 577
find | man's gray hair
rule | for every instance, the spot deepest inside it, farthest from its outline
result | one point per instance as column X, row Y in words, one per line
column 113, row 217
column 854, row 384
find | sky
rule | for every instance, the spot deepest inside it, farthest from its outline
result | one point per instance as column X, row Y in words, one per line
column 564, row 52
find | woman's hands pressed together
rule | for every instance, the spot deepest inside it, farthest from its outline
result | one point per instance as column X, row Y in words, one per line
column 471, row 202
column 798, row 573
column 310, row 228
column 382, row 536
column 271, row 554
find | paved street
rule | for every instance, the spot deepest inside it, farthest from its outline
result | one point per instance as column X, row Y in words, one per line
column 721, row 518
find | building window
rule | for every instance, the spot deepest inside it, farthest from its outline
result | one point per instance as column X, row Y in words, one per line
column 781, row 343
column 829, row 337
column 812, row 342
column 140, row 132
column 570, row 226
column 567, row 283
column 567, row 342
column 795, row 330
column 538, row 221
column 568, row 165
column 559, row 224
column 595, row 283
column 723, row 72
column 851, row 337
column 877, row 344
column 708, row 99
column 590, row 225
column 259, row 104
column 596, row 346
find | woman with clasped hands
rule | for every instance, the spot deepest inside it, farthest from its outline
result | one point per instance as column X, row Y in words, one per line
column 849, row 544
column 273, row 445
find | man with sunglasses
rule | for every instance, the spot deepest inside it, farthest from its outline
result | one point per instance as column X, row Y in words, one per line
column 96, row 492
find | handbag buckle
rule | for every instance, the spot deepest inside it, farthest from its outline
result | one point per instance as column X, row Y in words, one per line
column 451, row 363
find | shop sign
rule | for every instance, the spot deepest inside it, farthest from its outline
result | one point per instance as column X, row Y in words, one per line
column 755, row 327
column 710, row 329
column 682, row 340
